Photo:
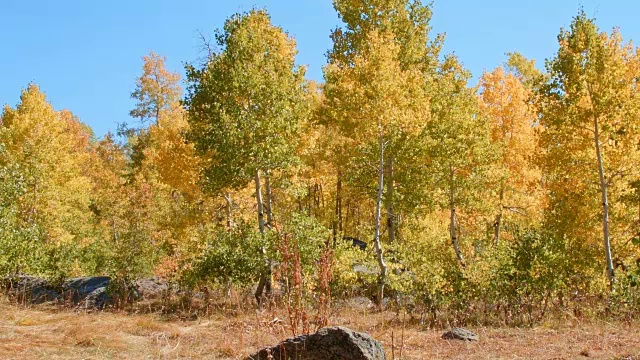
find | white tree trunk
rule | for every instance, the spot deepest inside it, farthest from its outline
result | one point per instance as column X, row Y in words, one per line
column 452, row 224
column 259, row 203
column 391, row 220
column 269, row 199
column 337, row 227
column 376, row 237
column 270, row 223
column 229, row 204
column 605, row 205
column 498, row 223
column 264, row 278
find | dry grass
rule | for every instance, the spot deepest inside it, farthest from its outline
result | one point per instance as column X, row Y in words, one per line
column 51, row 333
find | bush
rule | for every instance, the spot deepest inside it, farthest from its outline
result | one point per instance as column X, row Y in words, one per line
column 226, row 256
column 626, row 299
column 530, row 270
column 348, row 260
column 309, row 237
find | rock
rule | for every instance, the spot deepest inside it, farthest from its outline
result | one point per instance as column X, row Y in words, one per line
column 97, row 299
column 359, row 303
column 361, row 269
column 31, row 289
column 86, row 292
column 89, row 291
column 460, row 334
column 150, row 288
column 328, row 343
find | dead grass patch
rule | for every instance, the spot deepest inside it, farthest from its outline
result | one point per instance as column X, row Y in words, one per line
column 36, row 333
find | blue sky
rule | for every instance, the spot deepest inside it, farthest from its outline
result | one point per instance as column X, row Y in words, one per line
column 85, row 55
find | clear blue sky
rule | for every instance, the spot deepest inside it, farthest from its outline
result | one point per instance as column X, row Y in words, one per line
column 86, row 54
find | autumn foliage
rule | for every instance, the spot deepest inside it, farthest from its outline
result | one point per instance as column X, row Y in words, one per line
column 519, row 196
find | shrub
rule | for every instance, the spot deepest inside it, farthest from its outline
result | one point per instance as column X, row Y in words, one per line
column 225, row 256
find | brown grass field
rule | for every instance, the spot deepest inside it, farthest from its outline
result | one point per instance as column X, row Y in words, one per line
column 46, row 332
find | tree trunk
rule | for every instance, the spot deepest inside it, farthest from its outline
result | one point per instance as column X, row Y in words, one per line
column 264, row 279
column 229, row 204
column 452, row 224
column 376, row 236
column 498, row 223
column 391, row 219
column 337, row 228
column 259, row 203
column 346, row 216
column 269, row 199
column 605, row 205
column 270, row 223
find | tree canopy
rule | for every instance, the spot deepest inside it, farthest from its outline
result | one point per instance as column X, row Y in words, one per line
column 398, row 175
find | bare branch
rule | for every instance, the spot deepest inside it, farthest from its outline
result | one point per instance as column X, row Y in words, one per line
column 204, row 47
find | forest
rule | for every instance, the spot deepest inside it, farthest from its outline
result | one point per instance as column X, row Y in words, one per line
column 507, row 201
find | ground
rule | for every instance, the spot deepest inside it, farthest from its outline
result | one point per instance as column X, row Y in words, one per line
column 52, row 333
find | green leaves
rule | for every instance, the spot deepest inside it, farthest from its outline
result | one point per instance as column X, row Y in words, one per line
column 407, row 20
column 459, row 148
column 224, row 256
column 377, row 85
column 245, row 104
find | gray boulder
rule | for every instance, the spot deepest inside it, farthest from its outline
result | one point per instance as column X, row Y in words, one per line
column 87, row 291
column 326, row 344
column 97, row 299
column 359, row 303
column 460, row 334
column 361, row 269
column 31, row 289
column 150, row 288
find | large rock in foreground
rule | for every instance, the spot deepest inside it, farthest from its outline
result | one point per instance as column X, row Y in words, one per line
column 327, row 344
